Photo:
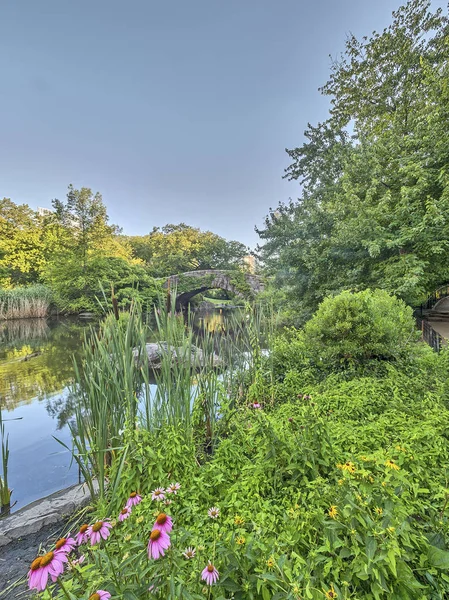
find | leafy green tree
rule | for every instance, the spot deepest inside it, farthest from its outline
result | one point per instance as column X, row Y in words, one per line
column 179, row 248
column 374, row 210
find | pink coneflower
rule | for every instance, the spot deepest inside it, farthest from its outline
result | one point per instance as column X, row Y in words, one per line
column 65, row 544
column 256, row 405
column 167, row 502
column 213, row 512
column 100, row 595
column 173, row 488
column 99, row 530
column 189, row 553
column 133, row 499
column 159, row 541
column 124, row 514
column 43, row 566
column 210, row 574
column 158, row 494
column 77, row 561
column 163, row 523
column 82, row 536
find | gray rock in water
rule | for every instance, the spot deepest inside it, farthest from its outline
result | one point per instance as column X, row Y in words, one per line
column 156, row 350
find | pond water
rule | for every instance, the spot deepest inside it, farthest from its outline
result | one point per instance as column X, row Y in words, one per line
column 36, row 368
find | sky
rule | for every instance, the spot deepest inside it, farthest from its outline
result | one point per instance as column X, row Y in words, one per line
column 175, row 111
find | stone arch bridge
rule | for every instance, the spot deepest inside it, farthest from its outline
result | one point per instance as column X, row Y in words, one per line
column 187, row 285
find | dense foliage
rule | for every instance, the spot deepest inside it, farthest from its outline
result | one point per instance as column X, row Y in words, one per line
column 328, row 484
column 374, row 209
column 76, row 252
column 179, row 248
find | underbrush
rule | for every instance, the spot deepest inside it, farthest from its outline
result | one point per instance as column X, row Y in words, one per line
column 286, row 480
column 315, row 501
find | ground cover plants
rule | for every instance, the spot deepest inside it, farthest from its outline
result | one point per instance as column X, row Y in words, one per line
column 284, row 480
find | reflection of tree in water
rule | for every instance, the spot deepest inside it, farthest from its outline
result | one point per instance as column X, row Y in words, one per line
column 49, row 360
column 61, row 408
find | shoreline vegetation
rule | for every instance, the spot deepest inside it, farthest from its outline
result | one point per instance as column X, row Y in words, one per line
column 312, row 465
column 29, row 302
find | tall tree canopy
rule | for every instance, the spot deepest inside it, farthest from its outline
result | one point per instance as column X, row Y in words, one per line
column 374, row 209
column 178, row 248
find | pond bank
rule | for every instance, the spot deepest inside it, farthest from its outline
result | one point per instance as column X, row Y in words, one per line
column 40, row 523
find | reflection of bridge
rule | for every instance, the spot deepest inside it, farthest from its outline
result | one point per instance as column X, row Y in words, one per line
column 187, row 285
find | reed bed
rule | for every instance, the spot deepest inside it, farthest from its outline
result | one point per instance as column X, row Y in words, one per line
column 24, row 302
column 198, row 378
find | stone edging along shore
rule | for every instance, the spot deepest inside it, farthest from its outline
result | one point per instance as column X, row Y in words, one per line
column 51, row 509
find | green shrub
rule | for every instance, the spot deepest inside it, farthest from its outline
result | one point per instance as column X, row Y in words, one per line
column 355, row 328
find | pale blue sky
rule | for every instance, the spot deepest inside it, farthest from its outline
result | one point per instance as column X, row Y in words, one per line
column 173, row 110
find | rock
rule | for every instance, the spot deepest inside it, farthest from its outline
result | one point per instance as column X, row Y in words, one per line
column 156, row 350
column 49, row 510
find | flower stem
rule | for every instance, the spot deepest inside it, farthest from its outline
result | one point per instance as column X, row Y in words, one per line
column 61, row 585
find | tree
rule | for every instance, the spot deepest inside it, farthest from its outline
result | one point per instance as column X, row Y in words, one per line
column 374, row 210
column 179, row 248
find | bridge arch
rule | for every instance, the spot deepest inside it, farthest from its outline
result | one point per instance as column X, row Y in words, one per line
column 188, row 285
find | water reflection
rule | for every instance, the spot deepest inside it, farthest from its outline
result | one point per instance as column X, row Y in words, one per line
column 36, row 368
column 36, row 365
column 37, row 362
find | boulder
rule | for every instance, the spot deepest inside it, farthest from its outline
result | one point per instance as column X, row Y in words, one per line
column 156, row 350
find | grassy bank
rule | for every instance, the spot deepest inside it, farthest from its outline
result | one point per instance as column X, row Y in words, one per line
column 24, row 302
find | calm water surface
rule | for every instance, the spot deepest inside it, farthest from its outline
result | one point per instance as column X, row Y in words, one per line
column 36, row 369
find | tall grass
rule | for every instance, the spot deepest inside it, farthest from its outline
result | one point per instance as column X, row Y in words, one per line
column 196, row 374
column 24, row 302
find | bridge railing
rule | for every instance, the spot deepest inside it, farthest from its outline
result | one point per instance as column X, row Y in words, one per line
column 441, row 292
column 429, row 335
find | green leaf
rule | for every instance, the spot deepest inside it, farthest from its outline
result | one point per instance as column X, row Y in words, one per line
column 438, row 558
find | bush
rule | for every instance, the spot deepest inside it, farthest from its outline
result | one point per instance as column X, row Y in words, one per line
column 353, row 328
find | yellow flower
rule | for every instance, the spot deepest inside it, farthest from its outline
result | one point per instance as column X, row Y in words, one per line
column 391, row 464
column 364, row 458
column 401, row 449
column 391, row 529
column 331, row 594
column 140, row 519
column 352, row 531
column 333, row 512
column 238, row 520
column 127, row 537
column 240, row 540
column 271, row 562
column 384, row 484
column 341, row 481
column 348, row 466
column 378, row 510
